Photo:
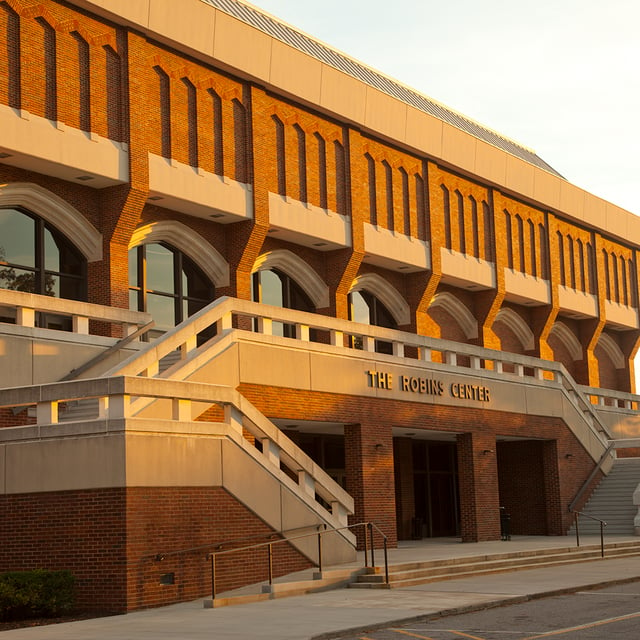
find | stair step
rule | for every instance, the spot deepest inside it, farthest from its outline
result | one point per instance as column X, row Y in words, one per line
column 399, row 582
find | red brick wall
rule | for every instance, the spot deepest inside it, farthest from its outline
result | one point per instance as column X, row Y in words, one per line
column 109, row 539
column 479, row 429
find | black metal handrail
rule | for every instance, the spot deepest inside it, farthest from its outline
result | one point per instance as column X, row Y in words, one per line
column 592, row 475
column 603, row 524
column 368, row 546
column 217, row 546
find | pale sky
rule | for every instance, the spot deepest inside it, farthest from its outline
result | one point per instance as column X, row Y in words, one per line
column 558, row 76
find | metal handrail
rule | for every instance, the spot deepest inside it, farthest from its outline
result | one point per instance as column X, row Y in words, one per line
column 158, row 557
column 592, row 475
column 369, row 528
column 603, row 524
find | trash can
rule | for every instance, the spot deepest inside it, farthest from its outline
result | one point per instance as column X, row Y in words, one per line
column 416, row 528
column 505, row 524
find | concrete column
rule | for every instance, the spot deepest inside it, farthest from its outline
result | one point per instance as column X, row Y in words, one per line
column 369, row 467
column 478, row 481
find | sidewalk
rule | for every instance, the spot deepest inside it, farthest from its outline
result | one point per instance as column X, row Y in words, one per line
column 324, row 614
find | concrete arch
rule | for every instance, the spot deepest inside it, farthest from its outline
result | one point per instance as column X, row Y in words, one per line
column 457, row 310
column 297, row 269
column 386, row 293
column 57, row 212
column 609, row 346
column 192, row 244
column 519, row 327
column 568, row 339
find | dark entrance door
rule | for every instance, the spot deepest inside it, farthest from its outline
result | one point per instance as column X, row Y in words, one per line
column 435, row 489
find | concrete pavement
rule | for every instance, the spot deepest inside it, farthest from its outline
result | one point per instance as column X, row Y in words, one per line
column 323, row 615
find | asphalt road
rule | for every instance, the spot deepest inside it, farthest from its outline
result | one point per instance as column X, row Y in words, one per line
column 607, row 614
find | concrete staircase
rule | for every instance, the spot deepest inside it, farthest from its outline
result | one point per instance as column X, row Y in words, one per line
column 612, row 501
column 413, row 573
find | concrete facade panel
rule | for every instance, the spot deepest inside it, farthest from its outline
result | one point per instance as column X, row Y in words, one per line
column 65, row 464
column 173, row 461
column 253, row 57
column 295, row 72
column 178, row 26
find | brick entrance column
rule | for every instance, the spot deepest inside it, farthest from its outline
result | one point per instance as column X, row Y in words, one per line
column 369, row 467
column 478, row 481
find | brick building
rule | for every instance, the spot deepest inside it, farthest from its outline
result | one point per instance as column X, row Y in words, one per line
column 249, row 285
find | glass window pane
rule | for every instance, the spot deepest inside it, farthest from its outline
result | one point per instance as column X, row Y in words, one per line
column 359, row 308
column 162, row 310
column 17, row 279
column 134, row 277
column 17, row 238
column 271, row 289
column 51, row 252
column 194, row 282
column 159, row 268
column 71, row 288
column 133, row 301
column 68, row 261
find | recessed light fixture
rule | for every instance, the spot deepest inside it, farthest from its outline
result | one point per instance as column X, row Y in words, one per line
column 4, row 155
column 401, row 268
column 272, row 231
column 84, row 178
column 154, row 198
column 320, row 244
column 217, row 215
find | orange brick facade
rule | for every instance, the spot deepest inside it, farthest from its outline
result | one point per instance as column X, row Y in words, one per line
column 82, row 71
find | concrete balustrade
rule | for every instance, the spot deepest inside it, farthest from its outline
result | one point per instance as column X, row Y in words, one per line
column 117, row 412
column 26, row 306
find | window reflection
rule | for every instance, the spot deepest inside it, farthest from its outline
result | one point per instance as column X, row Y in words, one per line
column 367, row 309
column 278, row 289
column 167, row 284
column 36, row 258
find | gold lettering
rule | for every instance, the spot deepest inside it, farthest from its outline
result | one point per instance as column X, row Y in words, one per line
column 404, row 381
column 455, row 390
column 423, row 385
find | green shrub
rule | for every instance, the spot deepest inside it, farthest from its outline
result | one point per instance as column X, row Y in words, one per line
column 35, row 594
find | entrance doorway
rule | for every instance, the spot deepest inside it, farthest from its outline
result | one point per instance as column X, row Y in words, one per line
column 427, row 489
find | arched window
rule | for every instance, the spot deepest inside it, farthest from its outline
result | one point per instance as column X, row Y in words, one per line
column 274, row 287
column 36, row 258
column 365, row 308
column 167, row 284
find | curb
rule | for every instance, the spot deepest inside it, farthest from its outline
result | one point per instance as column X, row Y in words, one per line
column 345, row 633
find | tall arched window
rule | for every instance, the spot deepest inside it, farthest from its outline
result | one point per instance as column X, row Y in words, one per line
column 36, row 258
column 167, row 284
column 271, row 286
column 365, row 308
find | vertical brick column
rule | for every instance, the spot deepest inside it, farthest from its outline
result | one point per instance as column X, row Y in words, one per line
column 369, row 467
column 478, row 480
column 553, row 501
column 405, row 499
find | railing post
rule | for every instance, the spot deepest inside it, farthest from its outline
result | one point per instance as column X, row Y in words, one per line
column 602, row 538
column 386, row 561
column 265, row 326
column 320, row 551
column 336, row 338
column 80, row 325
column 302, row 332
column 368, row 343
column 373, row 557
column 398, row 349
column 213, row 576
column 47, row 413
column 270, row 556
column 25, row 317
column 366, row 546
column 577, row 530
column 226, row 322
